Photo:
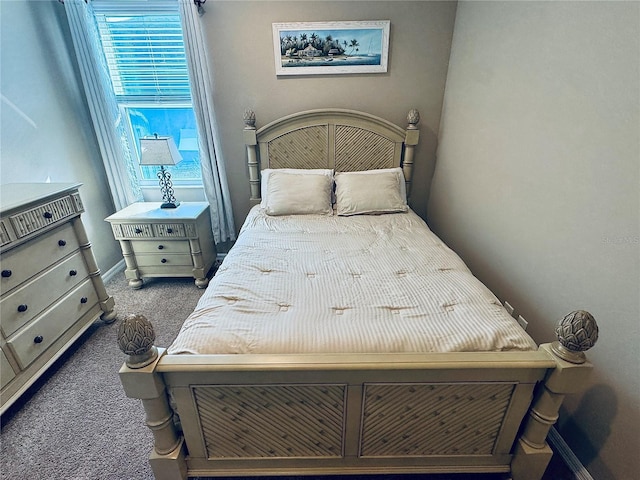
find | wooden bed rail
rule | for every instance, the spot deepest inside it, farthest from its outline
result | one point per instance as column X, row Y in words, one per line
column 188, row 399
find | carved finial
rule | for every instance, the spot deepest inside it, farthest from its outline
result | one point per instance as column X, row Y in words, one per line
column 135, row 338
column 413, row 118
column 249, row 119
column 576, row 332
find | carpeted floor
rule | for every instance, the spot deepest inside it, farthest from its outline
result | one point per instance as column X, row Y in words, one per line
column 75, row 423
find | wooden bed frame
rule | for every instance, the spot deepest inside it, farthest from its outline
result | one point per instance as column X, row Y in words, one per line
column 312, row 414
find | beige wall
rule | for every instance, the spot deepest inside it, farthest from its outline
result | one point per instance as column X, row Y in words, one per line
column 537, row 187
column 46, row 130
column 536, row 182
column 240, row 44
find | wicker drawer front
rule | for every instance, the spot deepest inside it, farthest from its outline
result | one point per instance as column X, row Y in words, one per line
column 7, row 372
column 33, row 340
column 174, row 246
column 162, row 260
column 132, row 230
column 169, row 230
column 151, row 230
column 23, row 262
column 42, row 216
column 19, row 307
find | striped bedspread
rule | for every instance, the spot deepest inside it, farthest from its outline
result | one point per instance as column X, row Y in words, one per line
column 329, row 284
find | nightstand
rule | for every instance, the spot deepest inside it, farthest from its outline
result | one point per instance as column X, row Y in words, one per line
column 165, row 242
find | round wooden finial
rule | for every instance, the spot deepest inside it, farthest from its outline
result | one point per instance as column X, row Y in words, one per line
column 249, row 118
column 135, row 338
column 413, row 118
column 576, row 332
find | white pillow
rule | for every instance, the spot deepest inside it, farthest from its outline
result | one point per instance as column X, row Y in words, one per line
column 266, row 173
column 371, row 192
column 298, row 194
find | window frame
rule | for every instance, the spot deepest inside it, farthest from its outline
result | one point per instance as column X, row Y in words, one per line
column 110, row 8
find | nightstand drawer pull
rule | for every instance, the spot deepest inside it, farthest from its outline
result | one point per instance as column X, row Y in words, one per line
column 169, row 230
column 73, row 273
column 47, row 215
column 22, row 308
column 160, row 247
column 84, row 300
column 6, row 273
column 38, row 339
column 164, row 260
column 62, row 243
column 138, row 230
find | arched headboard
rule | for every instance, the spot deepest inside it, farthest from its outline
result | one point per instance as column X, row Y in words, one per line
column 344, row 140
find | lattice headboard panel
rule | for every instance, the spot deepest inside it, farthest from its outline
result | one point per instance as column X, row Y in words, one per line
column 344, row 140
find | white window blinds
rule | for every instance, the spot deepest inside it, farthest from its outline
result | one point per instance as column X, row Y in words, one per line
column 144, row 50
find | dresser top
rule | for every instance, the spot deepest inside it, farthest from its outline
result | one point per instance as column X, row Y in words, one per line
column 15, row 195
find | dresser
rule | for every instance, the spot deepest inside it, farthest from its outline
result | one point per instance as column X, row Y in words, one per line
column 165, row 242
column 51, row 288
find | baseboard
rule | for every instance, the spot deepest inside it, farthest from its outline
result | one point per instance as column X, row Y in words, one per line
column 113, row 271
column 568, row 457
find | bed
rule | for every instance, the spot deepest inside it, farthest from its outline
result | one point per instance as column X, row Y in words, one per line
column 341, row 336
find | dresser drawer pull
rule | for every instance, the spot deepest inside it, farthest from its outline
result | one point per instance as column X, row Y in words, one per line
column 160, row 247
column 62, row 243
column 38, row 339
column 169, row 230
column 6, row 273
column 164, row 260
column 73, row 273
column 22, row 308
column 47, row 215
column 137, row 230
column 84, row 300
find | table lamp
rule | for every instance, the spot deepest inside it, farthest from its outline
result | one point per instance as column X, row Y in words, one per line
column 157, row 150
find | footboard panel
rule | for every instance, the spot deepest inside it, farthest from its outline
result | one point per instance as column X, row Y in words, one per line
column 327, row 414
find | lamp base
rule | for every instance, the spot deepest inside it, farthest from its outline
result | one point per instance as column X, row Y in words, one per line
column 170, row 205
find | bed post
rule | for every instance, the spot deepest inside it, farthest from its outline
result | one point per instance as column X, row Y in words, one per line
column 250, row 141
column 139, row 379
column 576, row 332
column 410, row 142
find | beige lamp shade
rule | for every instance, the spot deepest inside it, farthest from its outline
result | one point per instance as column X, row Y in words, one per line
column 159, row 150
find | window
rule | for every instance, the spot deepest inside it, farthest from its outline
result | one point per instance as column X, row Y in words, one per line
column 144, row 51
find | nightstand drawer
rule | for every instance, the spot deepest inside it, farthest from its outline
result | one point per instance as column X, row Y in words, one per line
column 169, row 260
column 29, row 300
column 169, row 230
column 21, row 263
column 132, row 230
column 159, row 246
column 48, row 327
column 152, row 230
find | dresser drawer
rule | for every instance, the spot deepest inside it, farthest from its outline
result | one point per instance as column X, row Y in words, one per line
column 23, row 262
column 159, row 246
column 20, row 306
column 6, row 373
column 42, row 216
column 169, row 260
column 34, row 339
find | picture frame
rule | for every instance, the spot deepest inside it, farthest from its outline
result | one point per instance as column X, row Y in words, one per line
column 321, row 48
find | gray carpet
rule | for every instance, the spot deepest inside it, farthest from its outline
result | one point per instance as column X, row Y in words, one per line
column 75, row 423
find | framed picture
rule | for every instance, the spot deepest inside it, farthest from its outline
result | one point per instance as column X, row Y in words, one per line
column 320, row 48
